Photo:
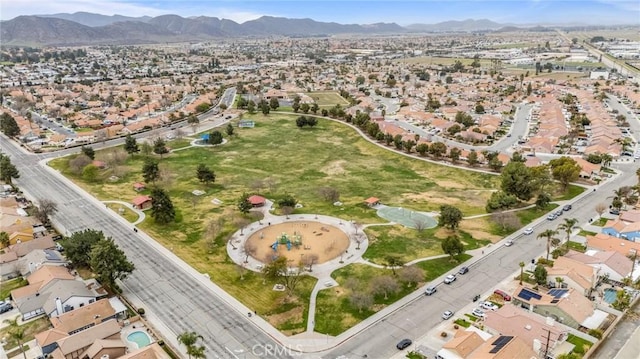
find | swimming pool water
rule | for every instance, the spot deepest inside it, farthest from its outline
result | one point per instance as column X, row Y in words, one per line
column 140, row 338
column 610, row 295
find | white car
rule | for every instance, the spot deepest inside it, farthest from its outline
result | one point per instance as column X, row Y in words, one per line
column 509, row 243
column 478, row 313
column 489, row 306
column 446, row 315
column 450, row 279
column 528, row 231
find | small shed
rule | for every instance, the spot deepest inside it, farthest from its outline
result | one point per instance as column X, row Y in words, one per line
column 257, row 201
column 372, row 201
column 139, row 186
column 142, row 202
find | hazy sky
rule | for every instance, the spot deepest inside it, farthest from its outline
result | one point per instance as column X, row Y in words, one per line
column 596, row 12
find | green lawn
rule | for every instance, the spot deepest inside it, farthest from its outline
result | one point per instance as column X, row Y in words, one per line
column 577, row 246
column 127, row 213
column 327, row 99
column 600, row 221
column 572, row 191
column 581, row 345
column 586, row 233
column 31, row 328
column 7, row 286
column 531, row 214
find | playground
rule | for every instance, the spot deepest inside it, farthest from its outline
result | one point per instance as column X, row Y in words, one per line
column 296, row 239
column 407, row 217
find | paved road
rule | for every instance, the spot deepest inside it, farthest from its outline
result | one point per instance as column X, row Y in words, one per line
column 423, row 314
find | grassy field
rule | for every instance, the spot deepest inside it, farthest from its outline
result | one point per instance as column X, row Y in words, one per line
column 335, row 313
column 442, row 61
column 7, row 286
column 127, row 213
column 327, row 99
column 273, row 159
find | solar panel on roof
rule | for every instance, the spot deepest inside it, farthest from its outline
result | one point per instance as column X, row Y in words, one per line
column 557, row 293
column 500, row 343
column 527, row 294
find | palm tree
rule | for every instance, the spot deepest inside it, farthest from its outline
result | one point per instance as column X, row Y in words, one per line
column 17, row 333
column 568, row 226
column 4, row 240
column 551, row 240
column 189, row 339
column 521, row 264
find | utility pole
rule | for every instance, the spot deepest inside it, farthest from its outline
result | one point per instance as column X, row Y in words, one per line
column 546, row 346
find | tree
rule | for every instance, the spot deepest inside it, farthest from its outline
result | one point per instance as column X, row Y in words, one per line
column 89, row 152
column 393, row 261
column 543, row 200
column 279, row 270
column 360, row 300
column 411, row 275
column 500, row 200
column 287, row 201
column 551, row 240
column 384, row 285
column 189, row 340
column 215, row 137
column 194, row 122
column 46, row 208
column 109, row 263
column 131, row 145
column 309, row 260
column 329, row 194
column 4, row 240
column 78, row 246
column 568, row 226
column 472, row 158
column 160, row 147
column 521, row 264
column 249, row 249
column 90, row 172
column 8, row 125
column 454, row 154
column 16, row 332
column 8, row 170
column 422, row 148
column 452, row 246
column 623, row 300
column 565, row 170
column 162, row 210
column 437, row 149
column 516, row 180
column 540, row 274
column 243, row 204
column 273, row 103
column 150, row 170
column 205, row 175
column 600, row 209
column 450, row 216
column 229, row 130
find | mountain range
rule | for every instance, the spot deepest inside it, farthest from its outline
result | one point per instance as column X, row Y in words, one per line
column 82, row 28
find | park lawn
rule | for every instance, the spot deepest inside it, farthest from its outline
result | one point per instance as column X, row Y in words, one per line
column 531, row 214
column 31, row 328
column 600, row 222
column 408, row 244
column 7, row 286
column 127, row 213
column 178, row 144
column 327, row 99
column 571, row 191
column 443, row 61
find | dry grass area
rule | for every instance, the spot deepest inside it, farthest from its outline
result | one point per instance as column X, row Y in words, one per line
column 479, row 228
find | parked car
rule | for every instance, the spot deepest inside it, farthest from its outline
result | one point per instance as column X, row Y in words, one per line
column 446, row 315
column 567, row 207
column 489, row 306
column 508, row 243
column 502, row 294
column 558, row 213
column 5, row 307
column 403, row 344
column 430, row 290
column 528, row 231
column 450, row 279
column 463, row 270
column 614, row 211
column 551, row 216
column 478, row 313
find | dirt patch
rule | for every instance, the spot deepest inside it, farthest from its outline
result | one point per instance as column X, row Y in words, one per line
column 479, row 228
column 450, row 184
column 334, row 168
column 294, row 315
column 327, row 242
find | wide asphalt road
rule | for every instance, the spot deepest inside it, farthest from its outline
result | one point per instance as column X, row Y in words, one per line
column 423, row 314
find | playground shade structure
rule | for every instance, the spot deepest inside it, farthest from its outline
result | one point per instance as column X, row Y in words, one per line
column 296, row 239
column 407, row 217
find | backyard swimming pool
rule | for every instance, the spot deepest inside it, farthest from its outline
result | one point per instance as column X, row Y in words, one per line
column 609, row 295
column 140, row 338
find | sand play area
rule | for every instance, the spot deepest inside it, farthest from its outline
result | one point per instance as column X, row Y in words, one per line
column 298, row 238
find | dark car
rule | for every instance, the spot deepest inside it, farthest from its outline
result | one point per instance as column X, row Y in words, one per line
column 5, row 307
column 404, row 343
column 567, row 207
column 463, row 270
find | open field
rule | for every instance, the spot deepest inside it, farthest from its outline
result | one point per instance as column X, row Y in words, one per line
column 327, row 99
column 123, row 211
column 443, row 61
column 273, row 159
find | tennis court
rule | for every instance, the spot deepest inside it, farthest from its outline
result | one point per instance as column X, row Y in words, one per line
column 407, row 217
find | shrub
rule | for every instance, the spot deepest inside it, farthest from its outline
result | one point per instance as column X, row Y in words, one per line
column 141, row 311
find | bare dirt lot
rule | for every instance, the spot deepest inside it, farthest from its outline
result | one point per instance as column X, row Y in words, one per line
column 327, row 242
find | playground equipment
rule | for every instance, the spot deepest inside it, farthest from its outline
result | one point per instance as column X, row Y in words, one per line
column 286, row 240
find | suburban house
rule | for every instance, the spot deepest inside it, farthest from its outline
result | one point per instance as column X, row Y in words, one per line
column 24, row 257
column 574, row 274
column 610, row 264
column 153, row 351
column 256, row 201
column 622, row 229
column 53, row 291
column 531, row 328
column 474, row 343
column 100, row 341
column 90, row 315
column 605, row 242
column 142, row 202
column 566, row 306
